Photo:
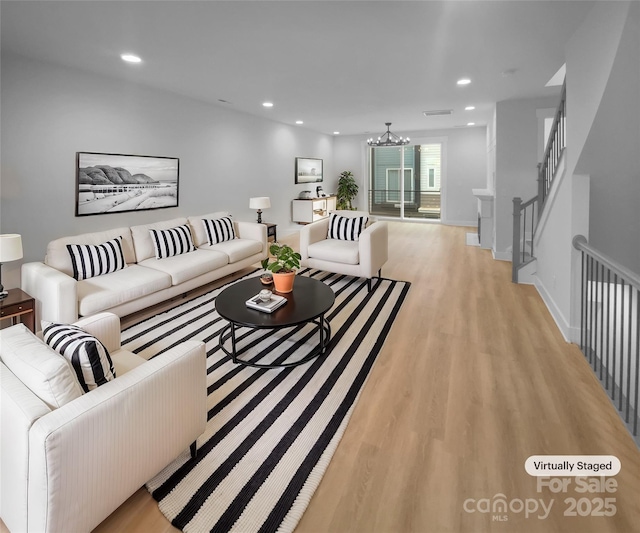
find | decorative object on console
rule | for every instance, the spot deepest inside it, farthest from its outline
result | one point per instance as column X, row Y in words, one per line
column 308, row 170
column 10, row 250
column 260, row 203
column 284, row 265
column 116, row 183
column 347, row 190
column 388, row 138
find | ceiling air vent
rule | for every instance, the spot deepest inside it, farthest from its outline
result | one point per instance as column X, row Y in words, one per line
column 437, row 113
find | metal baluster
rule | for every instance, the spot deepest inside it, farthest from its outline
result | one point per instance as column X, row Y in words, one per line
column 608, row 326
column 635, row 402
column 615, row 329
column 629, row 352
column 621, row 345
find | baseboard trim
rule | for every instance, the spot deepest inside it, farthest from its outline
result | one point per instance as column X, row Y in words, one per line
column 558, row 317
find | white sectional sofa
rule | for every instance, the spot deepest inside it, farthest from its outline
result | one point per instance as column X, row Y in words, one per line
column 68, row 458
column 146, row 280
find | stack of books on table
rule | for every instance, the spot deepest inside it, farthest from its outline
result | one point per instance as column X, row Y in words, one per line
column 266, row 306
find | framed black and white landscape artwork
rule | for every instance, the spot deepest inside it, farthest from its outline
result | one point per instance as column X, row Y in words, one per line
column 308, row 170
column 116, row 183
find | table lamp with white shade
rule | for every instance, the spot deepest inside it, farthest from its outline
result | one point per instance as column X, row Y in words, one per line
column 10, row 250
column 260, row 203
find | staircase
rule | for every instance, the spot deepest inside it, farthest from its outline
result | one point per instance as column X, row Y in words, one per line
column 527, row 214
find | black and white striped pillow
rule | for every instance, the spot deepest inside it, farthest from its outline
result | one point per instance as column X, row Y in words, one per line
column 90, row 260
column 219, row 230
column 170, row 242
column 88, row 356
column 346, row 228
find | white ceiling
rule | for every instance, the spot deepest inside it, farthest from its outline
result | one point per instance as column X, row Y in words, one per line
column 347, row 66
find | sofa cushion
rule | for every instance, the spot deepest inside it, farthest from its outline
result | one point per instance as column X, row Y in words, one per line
column 184, row 267
column 345, row 228
column 219, row 230
column 104, row 292
column 58, row 255
column 236, row 249
column 88, row 356
column 336, row 251
column 173, row 241
column 142, row 242
column 90, row 260
column 197, row 227
column 48, row 375
column 123, row 361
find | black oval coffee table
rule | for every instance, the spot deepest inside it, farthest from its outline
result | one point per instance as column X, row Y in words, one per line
column 307, row 303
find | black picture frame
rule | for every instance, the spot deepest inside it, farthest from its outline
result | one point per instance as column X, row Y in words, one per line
column 308, row 170
column 121, row 183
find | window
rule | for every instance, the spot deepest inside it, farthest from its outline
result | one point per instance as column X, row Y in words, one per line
column 392, row 187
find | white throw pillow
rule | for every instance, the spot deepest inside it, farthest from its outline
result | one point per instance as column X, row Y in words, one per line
column 88, row 356
column 47, row 374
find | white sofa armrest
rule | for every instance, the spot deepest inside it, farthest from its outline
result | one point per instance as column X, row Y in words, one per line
column 20, row 408
column 314, row 232
column 55, row 293
column 253, row 231
column 89, row 456
column 105, row 327
column 373, row 248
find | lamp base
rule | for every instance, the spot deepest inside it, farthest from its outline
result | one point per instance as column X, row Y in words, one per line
column 4, row 294
column 259, row 216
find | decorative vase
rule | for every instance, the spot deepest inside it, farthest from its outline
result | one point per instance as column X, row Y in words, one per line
column 283, row 281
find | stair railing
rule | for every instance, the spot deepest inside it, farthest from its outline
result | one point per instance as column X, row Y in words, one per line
column 610, row 328
column 553, row 151
column 525, row 218
column 522, row 248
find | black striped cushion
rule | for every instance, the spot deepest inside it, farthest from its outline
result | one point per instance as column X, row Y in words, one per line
column 88, row 356
column 90, row 260
column 170, row 242
column 219, row 230
column 346, row 228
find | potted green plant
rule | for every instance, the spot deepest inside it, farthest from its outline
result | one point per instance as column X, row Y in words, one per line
column 282, row 265
column 347, row 190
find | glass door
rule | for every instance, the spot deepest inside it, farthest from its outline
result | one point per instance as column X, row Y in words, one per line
column 417, row 194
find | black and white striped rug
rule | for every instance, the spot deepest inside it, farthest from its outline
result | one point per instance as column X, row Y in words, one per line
column 271, row 432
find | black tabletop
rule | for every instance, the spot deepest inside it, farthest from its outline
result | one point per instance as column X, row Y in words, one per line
column 309, row 299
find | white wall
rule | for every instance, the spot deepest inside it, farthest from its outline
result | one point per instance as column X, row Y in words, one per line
column 49, row 113
column 516, row 161
column 464, row 159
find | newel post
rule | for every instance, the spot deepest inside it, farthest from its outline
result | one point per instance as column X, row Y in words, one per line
column 515, row 249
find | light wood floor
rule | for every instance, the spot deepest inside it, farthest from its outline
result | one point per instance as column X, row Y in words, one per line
column 474, row 378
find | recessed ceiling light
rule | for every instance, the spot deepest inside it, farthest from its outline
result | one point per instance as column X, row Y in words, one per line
column 299, row 122
column 471, row 123
column 470, row 108
column 130, row 58
column 464, row 81
column 336, row 133
column 267, row 104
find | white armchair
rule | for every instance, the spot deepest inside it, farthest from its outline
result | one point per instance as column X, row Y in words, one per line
column 67, row 467
column 364, row 257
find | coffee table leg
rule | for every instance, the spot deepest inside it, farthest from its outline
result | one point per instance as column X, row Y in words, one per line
column 233, row 343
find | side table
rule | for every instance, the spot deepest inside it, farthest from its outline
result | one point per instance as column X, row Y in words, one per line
column 19, row 307
column 271, row 232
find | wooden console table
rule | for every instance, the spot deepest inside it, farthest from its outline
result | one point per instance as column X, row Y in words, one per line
column 305, row 211
column 19, row 307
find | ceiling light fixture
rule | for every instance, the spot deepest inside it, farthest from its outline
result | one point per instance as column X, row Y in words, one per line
column 388, row 138
column 299, row 122
column 470, row 108
column 336, row 133
column 267, row 104
column 130, row 58
column 464, row 81
column 471, row 123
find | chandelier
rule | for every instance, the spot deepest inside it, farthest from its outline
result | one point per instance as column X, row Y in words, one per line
column 388, row 139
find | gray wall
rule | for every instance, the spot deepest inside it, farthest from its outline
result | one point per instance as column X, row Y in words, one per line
column 516, row 161
column 611, row 154
column 49, row 113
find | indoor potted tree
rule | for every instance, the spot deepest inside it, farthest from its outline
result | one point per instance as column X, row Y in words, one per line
column 347, row 190
column 283, row 265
